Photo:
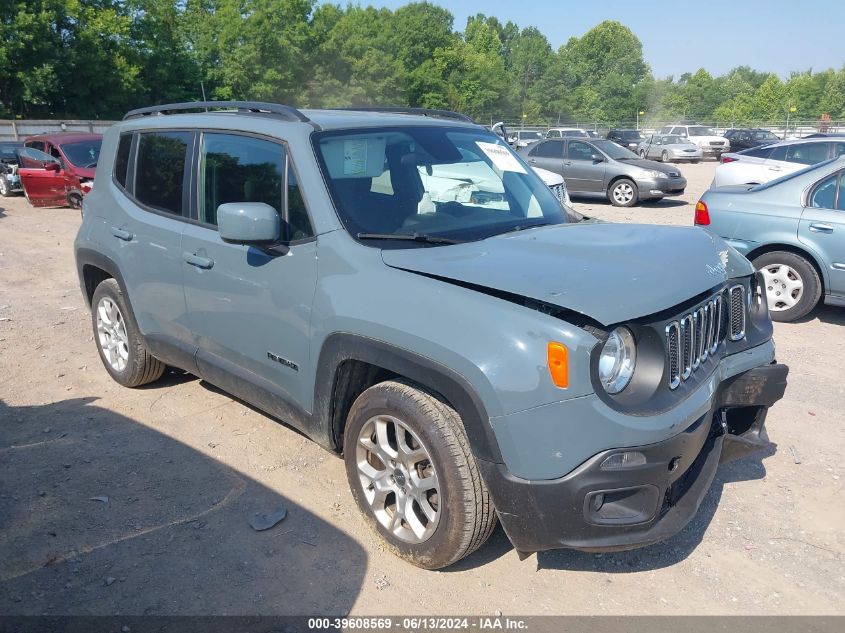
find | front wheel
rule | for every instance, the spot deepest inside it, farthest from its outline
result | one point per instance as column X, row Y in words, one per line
column 410, row 468
column 793, row 287
column 5, row 191
column 623, row 193
column 664, row 157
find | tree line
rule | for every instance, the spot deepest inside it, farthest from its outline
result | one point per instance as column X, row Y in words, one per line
column 99, row 58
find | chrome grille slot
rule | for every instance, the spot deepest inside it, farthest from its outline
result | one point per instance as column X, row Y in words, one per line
column 737, row 299
column 687, row 342
column 673, row 345
column 558, row 191
column 696, row 336
column 718, row 302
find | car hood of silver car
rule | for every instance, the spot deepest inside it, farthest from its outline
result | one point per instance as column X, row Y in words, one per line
column 609, row 272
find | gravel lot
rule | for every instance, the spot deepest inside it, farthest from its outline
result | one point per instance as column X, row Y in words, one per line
column 137, row 501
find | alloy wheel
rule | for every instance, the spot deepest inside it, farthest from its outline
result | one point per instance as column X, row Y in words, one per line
column 111, row 334
column 623, row 193
column 784, row 286
column 398, row 478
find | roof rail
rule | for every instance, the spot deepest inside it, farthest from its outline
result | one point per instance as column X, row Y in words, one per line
column 286, row 112
column 432, row 112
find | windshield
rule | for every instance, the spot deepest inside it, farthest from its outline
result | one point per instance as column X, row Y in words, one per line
column 529, row 135
column 632, row 136
column 448, row 183
column 700, row 130
column 9, row 152
column 674, row 140
column 614, row 151
column 84, row 153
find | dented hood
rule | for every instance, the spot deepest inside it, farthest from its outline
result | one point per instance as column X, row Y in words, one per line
column 609, row 272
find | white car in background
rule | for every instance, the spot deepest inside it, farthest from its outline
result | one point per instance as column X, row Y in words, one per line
column 524, row 138
column 568, row 132
column 762, row 164
column 710, row 143
column 556, row 183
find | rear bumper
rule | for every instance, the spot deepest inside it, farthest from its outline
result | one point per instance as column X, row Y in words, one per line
column 596, row 509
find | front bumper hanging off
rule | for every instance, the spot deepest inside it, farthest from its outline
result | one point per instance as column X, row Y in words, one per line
column 600, row 509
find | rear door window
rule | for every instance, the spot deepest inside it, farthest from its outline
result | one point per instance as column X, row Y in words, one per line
column 121, row 160
column 580, row 151
column 548, row 149
column 807, row 153
column 160, row 170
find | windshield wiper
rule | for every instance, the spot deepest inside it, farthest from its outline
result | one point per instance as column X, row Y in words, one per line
column 522, row 227
column 412, row 237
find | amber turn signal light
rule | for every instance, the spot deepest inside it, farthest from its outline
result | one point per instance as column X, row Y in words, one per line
column 558, row 357
column 702, row 214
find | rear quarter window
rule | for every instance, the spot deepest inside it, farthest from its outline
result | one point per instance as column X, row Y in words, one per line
column 121, row 159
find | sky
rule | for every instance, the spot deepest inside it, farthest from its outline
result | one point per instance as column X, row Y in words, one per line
column 776, row 36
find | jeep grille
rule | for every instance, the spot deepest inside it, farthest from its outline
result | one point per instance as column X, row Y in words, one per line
column 558, row 191
column 695, row 336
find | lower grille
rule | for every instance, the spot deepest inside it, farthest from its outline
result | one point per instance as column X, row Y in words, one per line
column 559, row 192
column 694, row 337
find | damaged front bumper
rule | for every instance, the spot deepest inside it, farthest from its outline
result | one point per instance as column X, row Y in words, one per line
column 634, row 496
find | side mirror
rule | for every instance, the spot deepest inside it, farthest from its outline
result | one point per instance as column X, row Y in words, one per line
column 597, row 158
column 52, row 167
column 248, row 223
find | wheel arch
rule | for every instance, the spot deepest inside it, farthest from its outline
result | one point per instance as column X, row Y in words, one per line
column 795, row 250
column 350, row 363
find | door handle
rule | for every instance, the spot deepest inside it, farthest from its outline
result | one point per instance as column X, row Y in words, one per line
column 821, row 228
column 567, row 162
column 121, row 234
column 532, row 160
column 200, row 262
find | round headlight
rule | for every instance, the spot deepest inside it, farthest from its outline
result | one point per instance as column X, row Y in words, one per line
column 617, row 360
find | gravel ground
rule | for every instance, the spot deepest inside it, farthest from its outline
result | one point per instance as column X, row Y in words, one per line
column 138, row 501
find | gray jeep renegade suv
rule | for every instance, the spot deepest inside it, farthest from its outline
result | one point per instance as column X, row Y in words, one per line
column 402, row 288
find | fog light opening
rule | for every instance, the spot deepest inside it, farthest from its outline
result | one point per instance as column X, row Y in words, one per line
column 621, row 461
column 598, row 502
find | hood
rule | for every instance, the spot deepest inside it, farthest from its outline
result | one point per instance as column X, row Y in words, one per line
column 84, row 173
column 549, row 177
column 652, row 165
column 609, row 272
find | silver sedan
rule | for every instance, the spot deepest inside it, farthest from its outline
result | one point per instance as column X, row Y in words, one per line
column 669, row 148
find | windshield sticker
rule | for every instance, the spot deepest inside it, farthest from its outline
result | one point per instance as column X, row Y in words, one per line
column 354, row 157
column 502, row 158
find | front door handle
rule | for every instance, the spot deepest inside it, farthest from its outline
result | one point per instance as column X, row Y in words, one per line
column 567, row 162
column 821, row 228
column 200, row 262
column 121, row 234
column 532, row 160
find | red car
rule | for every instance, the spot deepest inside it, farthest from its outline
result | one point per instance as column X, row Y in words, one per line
column 58, row 169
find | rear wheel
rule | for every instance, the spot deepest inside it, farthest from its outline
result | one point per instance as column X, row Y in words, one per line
column 413, row 476
column 793, row 287
column 123, row 352
column 642, row 153
column 623, row 193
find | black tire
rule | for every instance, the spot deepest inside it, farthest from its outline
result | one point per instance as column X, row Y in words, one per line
column 614, row 194
column 809, row 276
column 5, row 190
column 466, row 514
column 74, row 200
column 664, row 157
column 642, row 153
column 141, row 366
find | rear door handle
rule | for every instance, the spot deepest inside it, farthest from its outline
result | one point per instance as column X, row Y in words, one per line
column 121, row 234
column 821, row 228
column 200, row 262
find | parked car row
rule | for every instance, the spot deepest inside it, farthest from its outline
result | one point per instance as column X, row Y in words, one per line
column 52, row 170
